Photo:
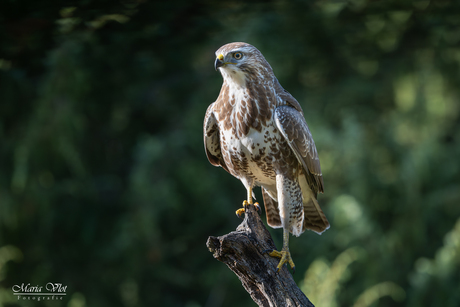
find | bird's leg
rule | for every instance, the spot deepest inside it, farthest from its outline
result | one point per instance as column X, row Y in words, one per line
column 284, row 254
column 247, row 202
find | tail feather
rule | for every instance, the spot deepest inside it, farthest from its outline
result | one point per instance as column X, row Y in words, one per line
column 315, row 219
column 271, row 210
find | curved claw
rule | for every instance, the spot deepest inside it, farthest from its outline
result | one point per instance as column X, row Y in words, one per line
column 285, row 256
column 239, row 212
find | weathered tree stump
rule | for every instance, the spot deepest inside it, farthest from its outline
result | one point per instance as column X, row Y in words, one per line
column 243, row 252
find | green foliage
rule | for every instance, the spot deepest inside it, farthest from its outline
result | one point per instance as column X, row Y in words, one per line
column 105, row 186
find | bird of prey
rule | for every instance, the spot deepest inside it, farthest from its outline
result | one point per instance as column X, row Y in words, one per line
column 256, row 131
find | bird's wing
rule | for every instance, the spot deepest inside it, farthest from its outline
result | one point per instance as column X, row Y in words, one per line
column 293, row 126
column 212, row 139
column 287, row 97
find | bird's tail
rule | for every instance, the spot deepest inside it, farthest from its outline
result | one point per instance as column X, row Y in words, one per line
column 271, row 210
column 314, row 217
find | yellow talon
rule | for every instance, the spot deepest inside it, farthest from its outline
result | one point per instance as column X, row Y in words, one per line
column 240, row 211
column 285, row 256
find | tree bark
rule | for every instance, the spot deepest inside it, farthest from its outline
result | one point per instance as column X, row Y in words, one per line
column 243, row 252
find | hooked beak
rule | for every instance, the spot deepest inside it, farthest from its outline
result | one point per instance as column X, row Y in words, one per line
column 219, row 61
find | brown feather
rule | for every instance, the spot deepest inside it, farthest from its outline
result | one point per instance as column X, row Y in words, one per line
column 294, row 128
column 271, row 210
column 256, row 131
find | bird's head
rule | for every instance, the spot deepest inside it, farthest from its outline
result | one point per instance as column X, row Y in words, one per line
column 241, row 62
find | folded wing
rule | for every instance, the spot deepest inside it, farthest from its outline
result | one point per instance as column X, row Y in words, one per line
column 212, row 139
column 293, row 127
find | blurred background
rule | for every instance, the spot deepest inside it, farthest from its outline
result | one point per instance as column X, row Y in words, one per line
column 105, row 186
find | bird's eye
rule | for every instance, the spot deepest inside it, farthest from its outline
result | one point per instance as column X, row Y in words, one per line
column 238, row 55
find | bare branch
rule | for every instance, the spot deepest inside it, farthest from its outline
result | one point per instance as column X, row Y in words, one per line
column 243, row 252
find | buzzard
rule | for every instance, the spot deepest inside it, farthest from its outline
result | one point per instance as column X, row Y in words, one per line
column 256, row 131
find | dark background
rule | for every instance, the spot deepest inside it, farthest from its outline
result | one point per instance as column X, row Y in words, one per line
column 104, row 182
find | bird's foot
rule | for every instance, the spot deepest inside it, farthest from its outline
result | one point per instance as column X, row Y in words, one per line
column 285, row 256
column 240, row 211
